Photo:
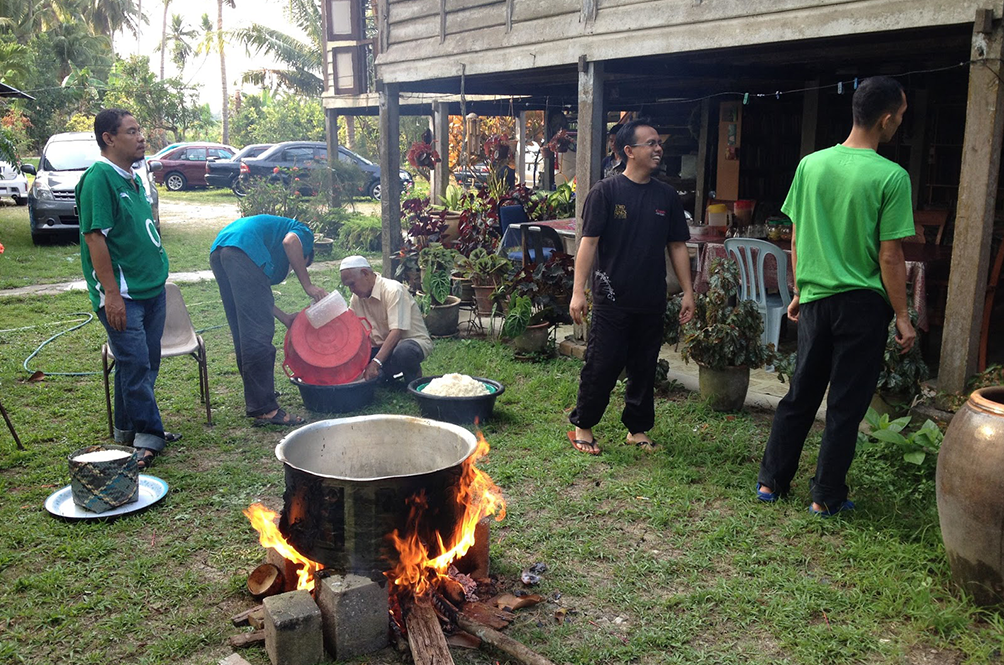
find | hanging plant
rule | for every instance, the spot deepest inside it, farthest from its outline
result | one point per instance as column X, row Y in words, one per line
column 423, row 157
column 560, row 142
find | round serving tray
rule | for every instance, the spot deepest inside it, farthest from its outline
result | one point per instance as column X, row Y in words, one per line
column 151, row 490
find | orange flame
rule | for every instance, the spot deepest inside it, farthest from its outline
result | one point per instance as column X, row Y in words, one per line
column 263, row 520
column 477, row 493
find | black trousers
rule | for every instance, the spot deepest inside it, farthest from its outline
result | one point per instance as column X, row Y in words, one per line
column 619, row 340
column 248, row 302
column 841, row 341
column 406, row 359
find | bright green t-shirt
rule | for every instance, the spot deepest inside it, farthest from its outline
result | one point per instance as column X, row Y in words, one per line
column 108, row 202
column 843, row 203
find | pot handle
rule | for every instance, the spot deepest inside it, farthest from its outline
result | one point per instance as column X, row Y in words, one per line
column 367, row 326
column 287, row 369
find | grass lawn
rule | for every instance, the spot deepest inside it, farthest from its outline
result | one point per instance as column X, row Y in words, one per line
column 657, row 558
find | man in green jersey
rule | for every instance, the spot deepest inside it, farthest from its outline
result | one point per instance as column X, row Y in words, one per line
column 125, row 268
column 850, row 208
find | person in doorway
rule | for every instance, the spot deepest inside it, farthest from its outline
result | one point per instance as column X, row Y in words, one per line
column 612, row 162
column 850, row 208
column 628, row 222
column 125, row 268
column 248, row 257
column 400, row 339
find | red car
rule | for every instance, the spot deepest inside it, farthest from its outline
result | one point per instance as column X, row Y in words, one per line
column 185, row 165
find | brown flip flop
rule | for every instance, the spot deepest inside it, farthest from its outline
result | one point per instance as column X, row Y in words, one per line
column 588, row 447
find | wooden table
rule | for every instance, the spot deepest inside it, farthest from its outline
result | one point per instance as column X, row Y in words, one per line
column 921, row 260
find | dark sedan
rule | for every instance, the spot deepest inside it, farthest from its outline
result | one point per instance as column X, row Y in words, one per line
column 223, row 172
column 305, row 155
column 185, row 166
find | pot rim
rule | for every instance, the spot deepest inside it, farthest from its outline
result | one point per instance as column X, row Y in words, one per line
column 413, row 389
column 981, row 399
column 464, row 434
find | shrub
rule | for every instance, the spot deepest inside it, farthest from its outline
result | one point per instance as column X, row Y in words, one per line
column 361, row 232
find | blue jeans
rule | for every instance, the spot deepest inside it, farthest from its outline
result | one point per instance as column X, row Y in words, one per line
column 137, row 361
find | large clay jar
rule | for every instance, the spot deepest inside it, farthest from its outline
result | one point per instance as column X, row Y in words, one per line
column 970, row 488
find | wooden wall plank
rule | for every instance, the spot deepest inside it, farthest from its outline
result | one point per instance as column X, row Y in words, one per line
column 561, row 40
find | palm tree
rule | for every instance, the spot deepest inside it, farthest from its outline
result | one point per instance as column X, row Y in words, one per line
column 302, row 60
column 182, row 48
column 163, row 38
column 213, row 40
column 106, row 17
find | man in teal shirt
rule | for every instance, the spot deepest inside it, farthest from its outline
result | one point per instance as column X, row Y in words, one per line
column 248, row 257
column 125, row 268
column 850, row 208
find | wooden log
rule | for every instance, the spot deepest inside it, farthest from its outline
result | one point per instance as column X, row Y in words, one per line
column 487, row 615
column 425, row 637
column 517, row 650
column 243, row 619
column 247, row 639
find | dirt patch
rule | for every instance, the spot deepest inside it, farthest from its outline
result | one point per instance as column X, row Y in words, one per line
column 186, row 213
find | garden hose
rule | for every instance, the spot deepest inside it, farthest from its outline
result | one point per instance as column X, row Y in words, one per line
column 90, row 317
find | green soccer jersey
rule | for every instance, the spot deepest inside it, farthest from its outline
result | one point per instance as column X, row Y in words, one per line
column 843, row 203
column 118, row 207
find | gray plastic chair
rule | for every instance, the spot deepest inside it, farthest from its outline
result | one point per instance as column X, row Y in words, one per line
column 750, row 255
column 179, row 339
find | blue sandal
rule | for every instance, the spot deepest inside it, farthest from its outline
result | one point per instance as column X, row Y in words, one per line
column 766, row 497
column 845, row 506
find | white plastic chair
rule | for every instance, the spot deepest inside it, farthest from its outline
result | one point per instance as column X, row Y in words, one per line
column 750, row 255
column 179, row 339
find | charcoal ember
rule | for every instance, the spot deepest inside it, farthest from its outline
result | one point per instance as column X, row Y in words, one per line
column 468, row 583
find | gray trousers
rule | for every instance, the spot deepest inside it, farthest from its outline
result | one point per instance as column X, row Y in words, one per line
column 248, row 302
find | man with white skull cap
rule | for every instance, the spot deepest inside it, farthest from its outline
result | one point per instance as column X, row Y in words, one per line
column 400, row 339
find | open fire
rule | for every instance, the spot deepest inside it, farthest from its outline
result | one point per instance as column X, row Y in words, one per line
column 416, row 568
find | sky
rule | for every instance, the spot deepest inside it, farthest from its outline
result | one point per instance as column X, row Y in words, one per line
column 200, row 70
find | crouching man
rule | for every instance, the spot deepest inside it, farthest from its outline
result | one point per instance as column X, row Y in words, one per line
column 400, row 339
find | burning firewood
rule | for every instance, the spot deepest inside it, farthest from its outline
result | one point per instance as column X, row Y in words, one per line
column 425, row 637
column 265, row 580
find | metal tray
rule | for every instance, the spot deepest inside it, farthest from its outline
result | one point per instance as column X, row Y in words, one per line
column 151, row 490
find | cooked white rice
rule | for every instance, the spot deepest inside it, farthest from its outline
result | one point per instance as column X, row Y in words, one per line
column 102, row 456
column 455, row 385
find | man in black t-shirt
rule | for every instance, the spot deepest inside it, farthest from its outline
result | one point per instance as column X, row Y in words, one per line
column 628, row 222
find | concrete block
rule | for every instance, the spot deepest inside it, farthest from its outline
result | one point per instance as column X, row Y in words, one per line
column 569, row 347
column 355, row 612
column 293, row 629
column 234, row 659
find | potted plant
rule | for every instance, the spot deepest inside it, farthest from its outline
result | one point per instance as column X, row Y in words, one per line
column 902, row 374
column 723, row 339
column 485, row 271
column 536, row 298
column 425, row 226
column 442, row 310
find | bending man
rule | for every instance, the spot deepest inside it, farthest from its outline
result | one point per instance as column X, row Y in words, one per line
column 248, row 257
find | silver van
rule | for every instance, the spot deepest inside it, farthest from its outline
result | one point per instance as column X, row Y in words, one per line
column 52, row 209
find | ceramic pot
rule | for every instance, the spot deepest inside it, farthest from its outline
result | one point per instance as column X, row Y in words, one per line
column 724, row 389
column 444, row 320
column 970, row 490
column 483, row 298
column 462, row 288
column 533, row 339
column 322, row 246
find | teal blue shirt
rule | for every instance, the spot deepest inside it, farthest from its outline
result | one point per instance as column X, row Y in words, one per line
column 260, row 237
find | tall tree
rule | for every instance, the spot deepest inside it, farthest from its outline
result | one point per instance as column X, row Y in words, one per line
column 213, row 41
column 163, row 38
column 180, row 37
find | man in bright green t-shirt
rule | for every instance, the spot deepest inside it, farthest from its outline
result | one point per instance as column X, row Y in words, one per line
column 850, row 208
column 125, row 268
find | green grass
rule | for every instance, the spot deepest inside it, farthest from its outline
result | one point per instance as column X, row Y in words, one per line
column 657, row 558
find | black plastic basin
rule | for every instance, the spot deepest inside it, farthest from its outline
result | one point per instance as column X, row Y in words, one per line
column 457, row 410
column 336, row 399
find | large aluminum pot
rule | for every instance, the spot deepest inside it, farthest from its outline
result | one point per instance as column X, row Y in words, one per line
column 350, row 482
column 970, row 489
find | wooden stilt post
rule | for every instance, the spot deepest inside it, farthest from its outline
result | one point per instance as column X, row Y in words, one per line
column 974, row 217
column 591, row 134
column 331, row 134
column 441, row 135
column 390, row 167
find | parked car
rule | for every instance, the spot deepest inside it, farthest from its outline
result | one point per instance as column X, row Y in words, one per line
column 13, row 184
column 223, row 172
column 471, row 176
column 185, row 166
column 305, row 155
column 52, row 208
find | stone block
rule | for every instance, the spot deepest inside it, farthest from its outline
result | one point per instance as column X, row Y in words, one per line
column 234, row 659
column 569, row 347
column 355, row 615
column 293, row 629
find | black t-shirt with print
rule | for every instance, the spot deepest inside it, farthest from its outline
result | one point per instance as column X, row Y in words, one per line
column 634, row 223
